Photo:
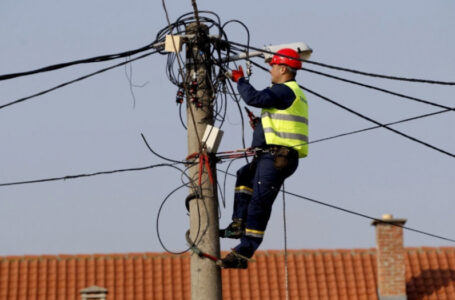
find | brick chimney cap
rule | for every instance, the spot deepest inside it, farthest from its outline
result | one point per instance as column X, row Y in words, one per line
column 388, row 219
column 94, row 289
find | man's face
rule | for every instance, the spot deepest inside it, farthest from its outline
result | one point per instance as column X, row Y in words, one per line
column 276, row 73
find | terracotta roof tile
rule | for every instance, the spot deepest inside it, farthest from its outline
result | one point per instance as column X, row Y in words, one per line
column 312, row 274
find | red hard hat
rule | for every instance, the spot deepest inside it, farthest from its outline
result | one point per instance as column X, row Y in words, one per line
column 293, row 62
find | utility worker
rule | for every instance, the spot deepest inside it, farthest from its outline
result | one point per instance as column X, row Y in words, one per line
column 281, row 135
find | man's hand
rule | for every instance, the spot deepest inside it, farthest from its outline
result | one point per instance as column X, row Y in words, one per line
column 237, row 74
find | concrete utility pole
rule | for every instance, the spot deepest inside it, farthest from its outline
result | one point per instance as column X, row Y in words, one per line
column 205, row 274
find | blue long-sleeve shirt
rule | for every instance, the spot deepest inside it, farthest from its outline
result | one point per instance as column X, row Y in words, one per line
column 279, row 96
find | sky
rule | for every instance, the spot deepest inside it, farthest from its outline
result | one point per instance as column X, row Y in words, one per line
column 95, row 125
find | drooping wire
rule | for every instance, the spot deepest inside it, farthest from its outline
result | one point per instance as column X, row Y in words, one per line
column 189, row 183
column 129, row 77
column 237, row 102
column 359, row 214
column 198, row 233
column 74, row 80
column 158, row 222
column 247, row 42
column 181, row 117
column 160, row 156
column 225, row 179
column 223, row 198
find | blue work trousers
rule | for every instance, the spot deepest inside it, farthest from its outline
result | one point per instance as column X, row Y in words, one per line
column 257, row 186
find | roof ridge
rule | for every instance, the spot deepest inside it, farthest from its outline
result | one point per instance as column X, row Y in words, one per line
column 267, row 252
column 133, row 255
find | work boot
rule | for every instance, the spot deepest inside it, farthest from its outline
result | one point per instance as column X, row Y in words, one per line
column 235, row 230
column 234, row 261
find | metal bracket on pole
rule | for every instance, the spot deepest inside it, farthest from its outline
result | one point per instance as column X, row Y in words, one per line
column 168, row 45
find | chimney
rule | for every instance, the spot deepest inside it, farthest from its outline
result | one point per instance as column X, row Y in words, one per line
column 93, row 292
column 390, row 258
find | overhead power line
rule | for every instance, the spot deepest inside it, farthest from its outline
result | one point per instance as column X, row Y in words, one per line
column 376, row 88
column 370, row 87
column 69, row 177
column 74, row 80
column 380, row 75
column 351, row 70
column 379, row 124
column 369, row 217
column 371, row 120
column 352, row 212
column 95, row 59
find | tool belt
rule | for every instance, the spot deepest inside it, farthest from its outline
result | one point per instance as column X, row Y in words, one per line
column 281, row 155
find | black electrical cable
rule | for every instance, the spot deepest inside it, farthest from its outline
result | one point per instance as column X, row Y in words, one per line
column 237, row 102
column 181, row 117
column 376, row 88
column 158, row 223
column 359, row 214
column 380, row 75
column 376, row 127
column 225, row 179
column 190, row 184
column 247, row 39
column 160, row 156
column 184, row 184
column 379, row 124
column 74, row 80
column 223, row 199
column 369, row 217
column 95, row 59
column 351, row 70
column 370, row 87
column 68, row 177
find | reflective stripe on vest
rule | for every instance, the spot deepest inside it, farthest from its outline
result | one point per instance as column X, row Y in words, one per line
column 287, row 135
column 288, row 127
column 285, row 117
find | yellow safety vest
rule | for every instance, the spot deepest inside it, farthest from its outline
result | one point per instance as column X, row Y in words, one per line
column 288, row 127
